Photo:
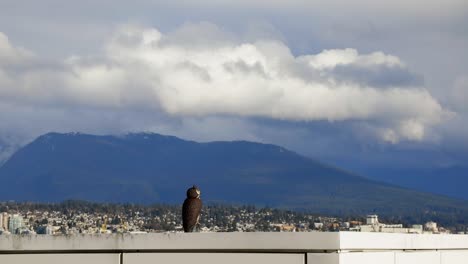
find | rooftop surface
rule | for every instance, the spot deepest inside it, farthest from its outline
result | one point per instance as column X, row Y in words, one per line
column 233, row 242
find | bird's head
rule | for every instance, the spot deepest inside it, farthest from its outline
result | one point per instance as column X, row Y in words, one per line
column 193, row 192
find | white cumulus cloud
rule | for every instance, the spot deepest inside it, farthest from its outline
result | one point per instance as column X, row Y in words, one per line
column 201, row 71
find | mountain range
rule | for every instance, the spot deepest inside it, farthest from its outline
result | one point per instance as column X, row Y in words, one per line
column 151, row 168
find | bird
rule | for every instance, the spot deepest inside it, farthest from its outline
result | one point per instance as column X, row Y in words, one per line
column 191, row 210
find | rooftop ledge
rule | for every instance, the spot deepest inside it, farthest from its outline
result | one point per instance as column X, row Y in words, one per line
column 233, row 242
column 235, row 248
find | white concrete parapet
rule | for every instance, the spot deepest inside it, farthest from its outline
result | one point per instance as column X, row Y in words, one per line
column 245, row 248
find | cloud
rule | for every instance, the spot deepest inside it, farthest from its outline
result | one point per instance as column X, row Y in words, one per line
column 201, row 71
column 10, row 55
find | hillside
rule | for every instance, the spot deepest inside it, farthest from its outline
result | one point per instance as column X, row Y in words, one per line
column 149, row 168
column 446, row 181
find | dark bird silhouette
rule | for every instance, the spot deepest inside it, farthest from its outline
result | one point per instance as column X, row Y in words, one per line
column 191, row 210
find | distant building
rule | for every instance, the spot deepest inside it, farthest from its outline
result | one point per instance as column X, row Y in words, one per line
column 4, row 221
column 372, row 220
column 417, row 229
column 373, row 225
column 345, row 225
column 431, row 226
column 15, row 223
column 284, row 227
column 355, row 223
column 288, row 228
column 318, row 225
column 49, row 230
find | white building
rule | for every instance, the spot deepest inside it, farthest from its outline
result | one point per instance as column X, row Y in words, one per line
column 15, row 223
column 318, row 225
column 373, row 225
column 372, row 220
column 49, row 230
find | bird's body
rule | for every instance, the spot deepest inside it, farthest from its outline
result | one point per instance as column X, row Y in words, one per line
column 191, row 210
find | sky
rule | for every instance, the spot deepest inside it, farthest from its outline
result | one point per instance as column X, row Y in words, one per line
column 359, row 84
